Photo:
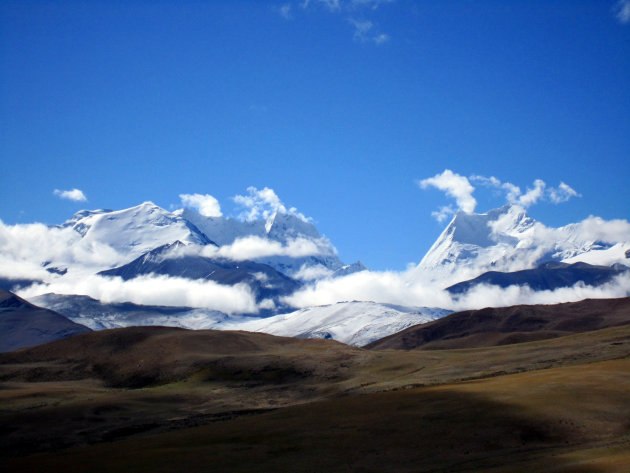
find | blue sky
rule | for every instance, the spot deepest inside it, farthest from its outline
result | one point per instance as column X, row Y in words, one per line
column 341, row 107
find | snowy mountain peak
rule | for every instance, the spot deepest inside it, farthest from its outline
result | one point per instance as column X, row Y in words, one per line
column 134, row 231
column 283, row 226
column 486, row 229
column 506, row 239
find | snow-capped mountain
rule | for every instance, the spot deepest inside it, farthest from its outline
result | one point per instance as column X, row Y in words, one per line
column 546, row 277
column 96, row 240
column 136, row 230
column 98, row 315
column 355, row 323
column 279, row 227
column 506, row 239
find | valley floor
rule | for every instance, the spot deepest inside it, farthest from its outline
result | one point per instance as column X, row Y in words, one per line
column 560, row 405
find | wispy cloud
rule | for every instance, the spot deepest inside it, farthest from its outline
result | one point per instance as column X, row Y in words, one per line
column 538, row 192
column 360, row 14
column 562, row 194
column 285, row 11
column 622, row 11
column 364, row 31
column 205, row 204
column 332, row 5
column 72, row 194
column 456, row 186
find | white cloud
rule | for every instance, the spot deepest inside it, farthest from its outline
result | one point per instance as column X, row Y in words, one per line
column 310, row 273
column 263, row 203
column 443, row 213
column 533, row 195
column 73, row 194
column 154, row 290
column 207, row 205
column 255, row 247
column 413, row 289
column 562, row 194
column 622, row 11
column 455, row 186
column 26, row 248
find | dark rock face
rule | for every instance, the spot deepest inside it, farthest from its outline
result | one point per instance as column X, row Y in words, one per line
column 264, row 281
column 547, row 276
column 23, row 324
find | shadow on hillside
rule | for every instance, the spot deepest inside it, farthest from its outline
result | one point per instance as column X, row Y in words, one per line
column 403, row 431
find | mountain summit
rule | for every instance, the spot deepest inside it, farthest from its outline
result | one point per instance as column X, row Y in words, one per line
column 507, row 239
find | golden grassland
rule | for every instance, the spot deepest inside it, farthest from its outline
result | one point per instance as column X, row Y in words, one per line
column 235, row 401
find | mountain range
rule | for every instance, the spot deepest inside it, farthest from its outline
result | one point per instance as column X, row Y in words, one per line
column 268, row 260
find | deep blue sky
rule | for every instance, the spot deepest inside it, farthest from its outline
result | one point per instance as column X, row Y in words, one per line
column 144, row 100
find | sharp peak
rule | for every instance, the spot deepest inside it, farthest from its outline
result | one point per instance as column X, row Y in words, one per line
column 492, row 212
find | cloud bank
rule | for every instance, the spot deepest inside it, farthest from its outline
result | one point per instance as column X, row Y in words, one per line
column 154, row 290
column 411, row 289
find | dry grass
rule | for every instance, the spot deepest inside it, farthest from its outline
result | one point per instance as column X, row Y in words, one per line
column 553, row 405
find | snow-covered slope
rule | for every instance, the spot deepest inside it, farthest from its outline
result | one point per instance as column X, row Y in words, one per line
column 101, row 239
column 355, row 323
column 506, row 239
column 98, row 315
column 136, row 230
column 279, row 227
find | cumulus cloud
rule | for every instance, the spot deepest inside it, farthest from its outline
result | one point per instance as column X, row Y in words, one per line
column 206, row 205
column 72, row 194
column 263, row 203
column 622, row 11
column 454, row 185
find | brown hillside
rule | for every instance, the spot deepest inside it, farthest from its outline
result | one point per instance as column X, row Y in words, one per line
column 509, row 325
